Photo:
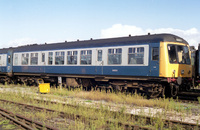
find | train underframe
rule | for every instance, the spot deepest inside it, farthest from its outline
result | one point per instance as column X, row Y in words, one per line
column 152, row 87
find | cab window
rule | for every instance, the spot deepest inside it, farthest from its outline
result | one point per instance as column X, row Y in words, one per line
column 183, row 54
column 178, row 54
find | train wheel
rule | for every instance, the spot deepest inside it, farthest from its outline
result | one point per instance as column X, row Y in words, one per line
column 155, row 92
column 162, row 95
column 174, row 90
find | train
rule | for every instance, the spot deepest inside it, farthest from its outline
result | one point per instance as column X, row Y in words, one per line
column 153, row 64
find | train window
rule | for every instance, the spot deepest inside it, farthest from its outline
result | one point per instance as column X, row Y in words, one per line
column 183, row 55
column 9, row 59
column 99, row 55
column 115, row 56
column 155, row 53
column 16, row 59
column 59, row 58
column 136, row 55
column 72, row 57
column 50, row 58
column 34, row 58
column 178, row 54
column 25, row 58
column 86, row 57
column 43, row 57
column 172, row 54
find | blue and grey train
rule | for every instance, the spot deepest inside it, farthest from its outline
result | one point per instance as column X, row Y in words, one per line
column 153, row 64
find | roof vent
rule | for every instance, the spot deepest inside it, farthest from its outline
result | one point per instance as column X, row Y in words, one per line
column 91, row 39
column 77, row 39
column 129, row 35
column 66, row 41
column 149, row 33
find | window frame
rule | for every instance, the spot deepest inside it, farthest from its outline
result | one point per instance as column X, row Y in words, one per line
column 100, row 57
column 73, row 54
column 88, row 55
column 152, row 54
column 26, row 57
column 42, row 57
column 114, row 52
column 33, row 55
column 61, row 56
column 177, row 56
column 16, row 56
column 50, row 56
column 136, row 50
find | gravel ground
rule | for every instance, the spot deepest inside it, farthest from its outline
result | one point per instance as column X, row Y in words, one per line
column 193, row 116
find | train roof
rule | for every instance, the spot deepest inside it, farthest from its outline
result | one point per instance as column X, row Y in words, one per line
column 4, row 50
column 103, row 42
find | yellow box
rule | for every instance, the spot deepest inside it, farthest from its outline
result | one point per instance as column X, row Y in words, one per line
column 44, row 88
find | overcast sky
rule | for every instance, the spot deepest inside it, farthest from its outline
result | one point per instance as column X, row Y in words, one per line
column 38, row 21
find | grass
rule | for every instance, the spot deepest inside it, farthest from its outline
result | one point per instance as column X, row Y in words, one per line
column 198, row 99
column 117, row 98
column 6, row 124
column 120, row 99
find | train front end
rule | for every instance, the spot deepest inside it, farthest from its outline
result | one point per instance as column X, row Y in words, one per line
column 175, row 66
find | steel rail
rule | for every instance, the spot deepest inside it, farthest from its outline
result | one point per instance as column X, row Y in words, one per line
column 136, row 117
column 24, row 122
column 84, row 119
column 148, row 119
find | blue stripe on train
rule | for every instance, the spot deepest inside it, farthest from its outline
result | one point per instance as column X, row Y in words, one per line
column 3, row 69
column 90, row 70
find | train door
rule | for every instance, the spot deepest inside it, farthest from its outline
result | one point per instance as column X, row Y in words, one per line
column 9, row 61
column 43, row 62
column 154, row 60
column 99, row 62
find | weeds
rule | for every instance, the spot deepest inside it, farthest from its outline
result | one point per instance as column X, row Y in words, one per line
column 102, row 115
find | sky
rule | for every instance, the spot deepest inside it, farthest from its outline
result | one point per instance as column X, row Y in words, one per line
column 24, row 22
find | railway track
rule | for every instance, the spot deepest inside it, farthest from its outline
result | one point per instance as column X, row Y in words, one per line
column 192, row 94
column 23, row 122
column 148, row 120
column 80, row 117
column 189, row 97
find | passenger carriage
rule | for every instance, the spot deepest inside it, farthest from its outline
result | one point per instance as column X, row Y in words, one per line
column 149, row 63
